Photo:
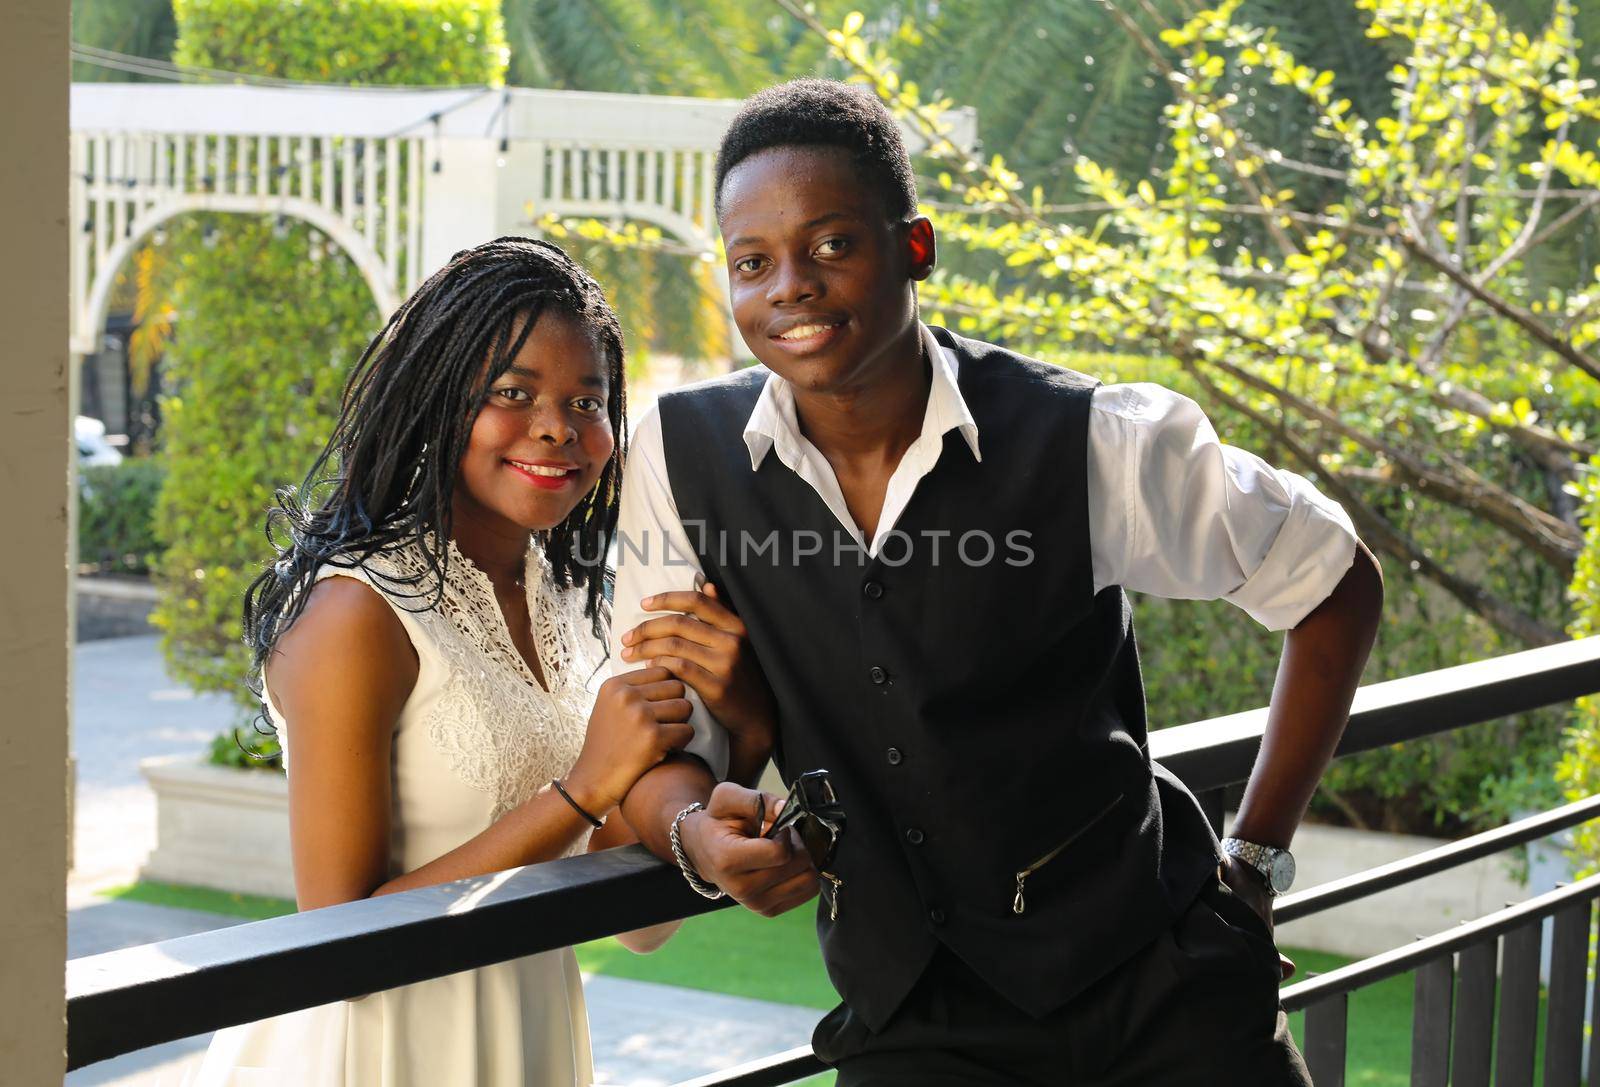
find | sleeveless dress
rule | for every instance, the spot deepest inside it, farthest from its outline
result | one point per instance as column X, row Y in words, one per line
column 477, row 737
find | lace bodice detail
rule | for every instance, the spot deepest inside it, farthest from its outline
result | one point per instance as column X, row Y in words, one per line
column 500, row 731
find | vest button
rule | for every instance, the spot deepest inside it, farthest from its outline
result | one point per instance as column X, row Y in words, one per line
column 894, row 756
column 915, row 836
column 877, row 675
column 873, row 589
column 936, row 916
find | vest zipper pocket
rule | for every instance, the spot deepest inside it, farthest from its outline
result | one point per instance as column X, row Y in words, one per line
column 834, row 883
column 1018, row 904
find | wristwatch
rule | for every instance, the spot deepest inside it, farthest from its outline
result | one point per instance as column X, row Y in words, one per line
column 1275, row 865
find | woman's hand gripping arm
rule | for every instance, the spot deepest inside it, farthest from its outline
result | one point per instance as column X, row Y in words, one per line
column 341, row 676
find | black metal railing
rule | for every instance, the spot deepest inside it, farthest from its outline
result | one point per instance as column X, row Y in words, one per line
column 1513, row 938
column 141, row 996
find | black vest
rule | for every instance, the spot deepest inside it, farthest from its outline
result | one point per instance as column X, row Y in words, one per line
column 978, row 705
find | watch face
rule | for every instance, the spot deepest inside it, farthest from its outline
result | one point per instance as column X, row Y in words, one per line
column 1282, row 871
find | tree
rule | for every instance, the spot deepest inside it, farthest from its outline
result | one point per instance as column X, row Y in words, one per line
column 1360, row 338
column 141, row 28
column 1365, row 310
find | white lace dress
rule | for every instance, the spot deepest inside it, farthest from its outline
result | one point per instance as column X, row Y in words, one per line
column 477, row 737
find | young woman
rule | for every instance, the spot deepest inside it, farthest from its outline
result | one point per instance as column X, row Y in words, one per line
column 428, row 643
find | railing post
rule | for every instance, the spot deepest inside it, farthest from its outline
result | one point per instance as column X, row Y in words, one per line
column 1594, row 1031
column 1519, row 1006
column 1473, row 1041
column 1569, row 967
column 1326, row 1024
column 1430, row 1023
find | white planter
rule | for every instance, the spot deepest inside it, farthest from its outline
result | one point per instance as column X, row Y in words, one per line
column 220, row 827
column 1397, row 917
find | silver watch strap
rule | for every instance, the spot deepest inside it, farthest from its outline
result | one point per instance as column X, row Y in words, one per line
column 707, row 890
column 1256, row 855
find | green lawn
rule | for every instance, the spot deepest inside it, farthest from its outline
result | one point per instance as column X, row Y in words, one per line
column 1379, row 1049
column 736, row 952
column 731, row 951
column 252, row 907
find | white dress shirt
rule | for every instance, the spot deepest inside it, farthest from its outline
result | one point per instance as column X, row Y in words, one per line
column 1173, row 511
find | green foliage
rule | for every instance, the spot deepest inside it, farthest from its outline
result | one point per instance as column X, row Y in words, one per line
column 269, row 327
column 271, row 318
column 1252, row 205
column 140, row 28
column 396, row 42
column 1068, row 81
column 246, row 749
column 668, row 301
column 1360, row 304
column 704, row 48
column 1198, row 664
column 116, row 516
column 668, row 297
column 1579, row 772
column 700, row 48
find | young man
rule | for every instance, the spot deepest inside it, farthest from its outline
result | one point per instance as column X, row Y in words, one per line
column 927, row 540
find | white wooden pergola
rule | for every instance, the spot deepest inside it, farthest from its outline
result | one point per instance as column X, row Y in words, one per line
column 400, row 179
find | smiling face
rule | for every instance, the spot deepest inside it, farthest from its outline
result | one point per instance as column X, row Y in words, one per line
column 820, row 277
column 542, row 437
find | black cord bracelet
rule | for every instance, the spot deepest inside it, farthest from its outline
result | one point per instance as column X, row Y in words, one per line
column 597, row 824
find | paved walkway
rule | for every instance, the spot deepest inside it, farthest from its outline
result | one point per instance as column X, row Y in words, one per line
column 127, row 708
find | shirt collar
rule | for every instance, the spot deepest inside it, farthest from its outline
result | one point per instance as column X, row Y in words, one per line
column 773, row 424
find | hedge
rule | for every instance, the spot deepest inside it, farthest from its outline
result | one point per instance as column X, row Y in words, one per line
column 116, row 516
column 272, row 316
column 268, row 333
column 395, row 42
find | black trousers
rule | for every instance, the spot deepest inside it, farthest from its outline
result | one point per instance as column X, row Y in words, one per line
column 1198, row 1007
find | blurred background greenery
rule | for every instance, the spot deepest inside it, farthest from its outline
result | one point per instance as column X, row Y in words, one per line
column 1056, row 84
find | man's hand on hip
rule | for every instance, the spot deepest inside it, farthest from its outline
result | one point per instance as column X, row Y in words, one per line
column 1248, row 884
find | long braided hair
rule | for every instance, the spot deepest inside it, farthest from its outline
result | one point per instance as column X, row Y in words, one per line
column 386, row 478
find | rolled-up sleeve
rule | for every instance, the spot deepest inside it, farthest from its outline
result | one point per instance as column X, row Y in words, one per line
column 653, row 555
column 1176, row 513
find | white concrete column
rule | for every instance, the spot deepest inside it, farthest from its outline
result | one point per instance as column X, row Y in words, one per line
column 74, row 406
column 461, row 200
column 518, row 185
column 34, row 444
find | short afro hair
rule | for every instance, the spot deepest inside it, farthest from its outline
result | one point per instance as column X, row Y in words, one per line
column 825, row 113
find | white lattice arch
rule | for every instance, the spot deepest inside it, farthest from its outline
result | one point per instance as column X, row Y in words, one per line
column 365, row 258
column 399, row 179
column 364, row 192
